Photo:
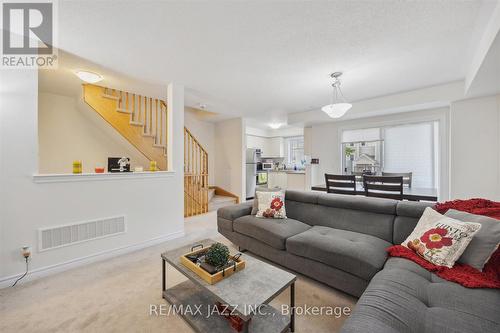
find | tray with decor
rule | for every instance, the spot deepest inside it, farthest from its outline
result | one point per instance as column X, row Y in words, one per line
column 214, row 263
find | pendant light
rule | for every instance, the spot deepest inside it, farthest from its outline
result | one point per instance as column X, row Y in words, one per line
column 339, row 106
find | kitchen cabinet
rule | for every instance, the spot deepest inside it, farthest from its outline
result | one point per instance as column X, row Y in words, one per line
column 296, row 181
column 258, row 142
column 277, row 179
column 275, row 147
column 270, row 147
column 287, row 180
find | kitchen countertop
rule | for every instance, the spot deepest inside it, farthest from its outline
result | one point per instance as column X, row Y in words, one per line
column 298, row 172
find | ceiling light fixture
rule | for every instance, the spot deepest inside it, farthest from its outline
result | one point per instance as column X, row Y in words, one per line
column 339, row 105
column 89, row 77
column 275, row 125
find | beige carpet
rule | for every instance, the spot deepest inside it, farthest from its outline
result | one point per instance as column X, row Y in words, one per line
column 115, row 295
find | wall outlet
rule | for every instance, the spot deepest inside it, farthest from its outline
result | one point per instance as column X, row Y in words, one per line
column 26, row 252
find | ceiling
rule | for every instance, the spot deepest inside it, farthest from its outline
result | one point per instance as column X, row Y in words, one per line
column 264, row 60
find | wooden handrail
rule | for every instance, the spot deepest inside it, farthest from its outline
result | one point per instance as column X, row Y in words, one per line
column 195, row 176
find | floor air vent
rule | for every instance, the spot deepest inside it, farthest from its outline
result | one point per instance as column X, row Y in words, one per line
column 54, row 237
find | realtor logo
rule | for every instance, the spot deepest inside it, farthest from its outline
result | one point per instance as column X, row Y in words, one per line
column 28, row 34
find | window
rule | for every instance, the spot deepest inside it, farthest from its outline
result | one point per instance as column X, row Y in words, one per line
column 401, row 148
column 362, row 151
column 294, row 152
column 410, row 148
column 363, row 158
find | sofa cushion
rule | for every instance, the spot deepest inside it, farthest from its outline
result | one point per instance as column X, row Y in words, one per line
column 273, row 232
column 407, row 215
column 359, row 254
column 234, row 211
column 485, row 241
column 372, row 216
column 404, row 297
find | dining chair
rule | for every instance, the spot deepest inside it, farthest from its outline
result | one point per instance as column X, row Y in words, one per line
column 407, row 176
column 384, row 187
column 340, row 184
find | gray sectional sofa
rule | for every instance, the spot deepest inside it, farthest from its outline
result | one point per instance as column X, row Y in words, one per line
column 341, row 240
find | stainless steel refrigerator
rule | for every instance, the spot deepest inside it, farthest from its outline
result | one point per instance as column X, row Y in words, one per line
column 253, row 156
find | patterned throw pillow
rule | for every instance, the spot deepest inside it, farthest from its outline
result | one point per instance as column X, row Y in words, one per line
column 255, row 206
column 439, row 239
column 271, row 205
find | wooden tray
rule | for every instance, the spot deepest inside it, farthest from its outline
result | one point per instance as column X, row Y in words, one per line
column 211, row 278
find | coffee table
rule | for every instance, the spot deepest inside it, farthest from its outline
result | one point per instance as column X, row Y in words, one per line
column 256, row 285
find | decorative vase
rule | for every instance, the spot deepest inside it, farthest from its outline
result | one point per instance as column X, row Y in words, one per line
column 77, row 167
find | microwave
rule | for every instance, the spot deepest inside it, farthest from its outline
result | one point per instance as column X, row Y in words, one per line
column 267, row 165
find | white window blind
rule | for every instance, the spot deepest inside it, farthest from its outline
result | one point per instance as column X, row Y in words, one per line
column 411, row 148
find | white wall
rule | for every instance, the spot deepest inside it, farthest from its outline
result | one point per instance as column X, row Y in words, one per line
column 475, row 148
column 67, row 133
column 153, row 207
column 204, row 132
column 324, row 142
column 230, row 148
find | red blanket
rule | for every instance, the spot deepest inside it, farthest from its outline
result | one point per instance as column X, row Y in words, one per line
column 462, row 274
column 473, row 206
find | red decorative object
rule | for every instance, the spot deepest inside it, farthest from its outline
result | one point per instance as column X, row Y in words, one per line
column 269, row 213
column 276, row 204
column 473, row 206
column 235, row 321
column 462, row 274
column 434, row 238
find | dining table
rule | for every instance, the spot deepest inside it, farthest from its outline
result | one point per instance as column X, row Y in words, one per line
column 409, row 193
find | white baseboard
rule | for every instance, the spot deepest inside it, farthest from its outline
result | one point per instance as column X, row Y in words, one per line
column 63, row 266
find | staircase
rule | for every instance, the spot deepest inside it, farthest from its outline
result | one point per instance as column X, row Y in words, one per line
column 142, row 120
column 195, row 176
column 222, row 199
column 199, row 198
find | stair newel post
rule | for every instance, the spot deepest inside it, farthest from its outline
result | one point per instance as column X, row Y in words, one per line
column 149, row 114
column 126, row 102
column 161, row 125
column 198, row 180
column 139, row 104
column 206, row 180
column 158, row 123
column 166, row 128
column 184, row 150
column 165, row 112
column 145, row 122
column 191, row 171
column 185, row 200
column 167, row 118
column 133, row 107
column 120, row 100
column 155, row 123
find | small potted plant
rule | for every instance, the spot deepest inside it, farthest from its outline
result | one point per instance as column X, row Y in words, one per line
column 216, row 257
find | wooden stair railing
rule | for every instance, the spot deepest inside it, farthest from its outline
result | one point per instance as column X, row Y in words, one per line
column 142, row 120
column 195, row 176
